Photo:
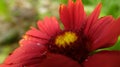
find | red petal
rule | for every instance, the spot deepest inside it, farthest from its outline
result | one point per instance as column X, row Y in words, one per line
column 98, row 28
column 100, row 25
column 37, row 33
column 4, row 65
column 92, row 19
column 108, row 36
column 31, row 40
column 73, row 15
column 49, row 26
column 79, row 14
column 71, row 7
column 65, row 17
column 56, row 60
column 104, row 59
column 27, row 55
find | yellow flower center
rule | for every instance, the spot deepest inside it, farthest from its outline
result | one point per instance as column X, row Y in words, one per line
column 65, row 39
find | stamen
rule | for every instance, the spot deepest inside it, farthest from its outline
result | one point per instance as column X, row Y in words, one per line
column 69, row 43
column 65, row 39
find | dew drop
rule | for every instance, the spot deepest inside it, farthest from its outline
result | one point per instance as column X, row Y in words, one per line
column 86, row 59
column 44, row 53
column 38, row 44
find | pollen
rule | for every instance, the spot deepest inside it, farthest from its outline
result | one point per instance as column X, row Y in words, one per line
column 65, row 39
column 25, row 37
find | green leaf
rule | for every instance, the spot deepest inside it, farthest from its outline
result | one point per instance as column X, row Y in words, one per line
column 116, row 46
column 63, row 1
column 4, row 10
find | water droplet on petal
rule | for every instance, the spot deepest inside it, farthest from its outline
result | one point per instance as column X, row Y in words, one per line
column 86, row 59
column 38, row 44
column 44, row 53
column 24, row 66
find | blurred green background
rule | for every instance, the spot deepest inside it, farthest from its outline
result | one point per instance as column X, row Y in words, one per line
column 16, row 17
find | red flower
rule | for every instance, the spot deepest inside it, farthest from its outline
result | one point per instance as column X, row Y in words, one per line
column 51, row 46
